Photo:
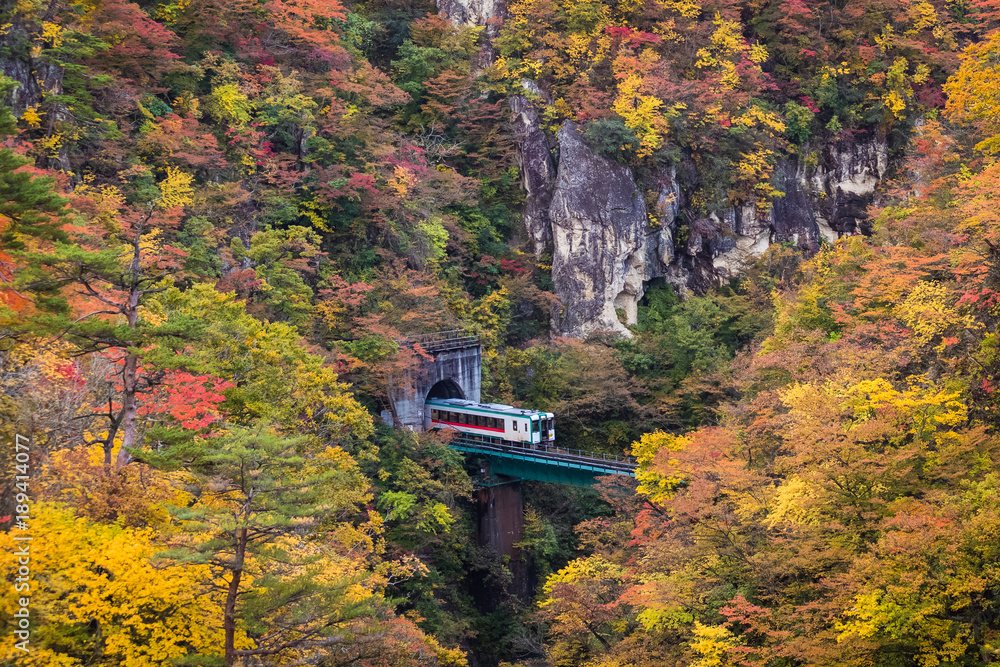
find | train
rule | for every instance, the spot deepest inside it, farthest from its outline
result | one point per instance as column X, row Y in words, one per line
column 526, row 428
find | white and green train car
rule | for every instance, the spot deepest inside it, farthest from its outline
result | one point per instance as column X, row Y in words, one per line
column 528, row 428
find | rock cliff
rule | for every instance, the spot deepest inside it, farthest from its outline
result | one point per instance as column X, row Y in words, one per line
column 538, row 172
column 606, row 245
column 36, row 79
column 599, row 228
column 471, row 12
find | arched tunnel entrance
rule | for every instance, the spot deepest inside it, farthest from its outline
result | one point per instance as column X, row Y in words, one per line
column 449, row 373
column 446, row 388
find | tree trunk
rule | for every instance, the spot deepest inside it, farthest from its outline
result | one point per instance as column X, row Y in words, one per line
column 229, row 618
column 130, row 374
column 130, row 381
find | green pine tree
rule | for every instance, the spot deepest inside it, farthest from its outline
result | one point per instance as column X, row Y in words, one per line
column 268, row 513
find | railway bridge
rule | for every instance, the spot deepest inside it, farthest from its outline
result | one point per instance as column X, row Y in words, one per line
column 448, row 364
column 557, row 466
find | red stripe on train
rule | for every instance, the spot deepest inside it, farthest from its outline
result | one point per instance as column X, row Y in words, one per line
column 482, row 428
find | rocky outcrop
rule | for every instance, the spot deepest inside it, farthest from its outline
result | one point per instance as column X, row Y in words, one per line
column 600, row 234
column 471, row 12
column 37, row 79
column 824, row 199
column 607, row 246
column 538, row 172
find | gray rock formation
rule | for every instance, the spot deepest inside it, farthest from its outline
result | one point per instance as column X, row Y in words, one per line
column 822, row 202
column 607, row 247
column 471, row 12
column 538, row 172
column 37, row 79
column 591, row 214
column 601, row 239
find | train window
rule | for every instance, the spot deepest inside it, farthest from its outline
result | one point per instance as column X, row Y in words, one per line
column 452, row 417
column 434, row 414
column 515, row 425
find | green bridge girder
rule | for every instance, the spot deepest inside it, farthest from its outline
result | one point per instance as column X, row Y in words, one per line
column 542, row 468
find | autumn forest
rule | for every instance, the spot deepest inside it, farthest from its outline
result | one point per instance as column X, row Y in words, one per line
column 221, row 222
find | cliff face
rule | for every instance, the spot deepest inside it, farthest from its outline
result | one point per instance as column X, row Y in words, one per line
column 599, row 235
column 36, row 79
column 607, row 246
column 538, row 172
column 470, row 12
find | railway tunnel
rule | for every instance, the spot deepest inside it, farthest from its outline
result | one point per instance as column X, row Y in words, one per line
column 446, row 388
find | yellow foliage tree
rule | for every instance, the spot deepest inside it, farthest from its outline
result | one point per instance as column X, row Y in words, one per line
column 651, row 451
column 635, row 103
column 99, row 596
column 974, row 92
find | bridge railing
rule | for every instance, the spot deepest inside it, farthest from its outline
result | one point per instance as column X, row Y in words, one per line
column 611, row 458
column 615, row 461
column 443, row 340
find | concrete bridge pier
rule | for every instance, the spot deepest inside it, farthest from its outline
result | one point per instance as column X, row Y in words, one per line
column 501, row 517
column 501, row 526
